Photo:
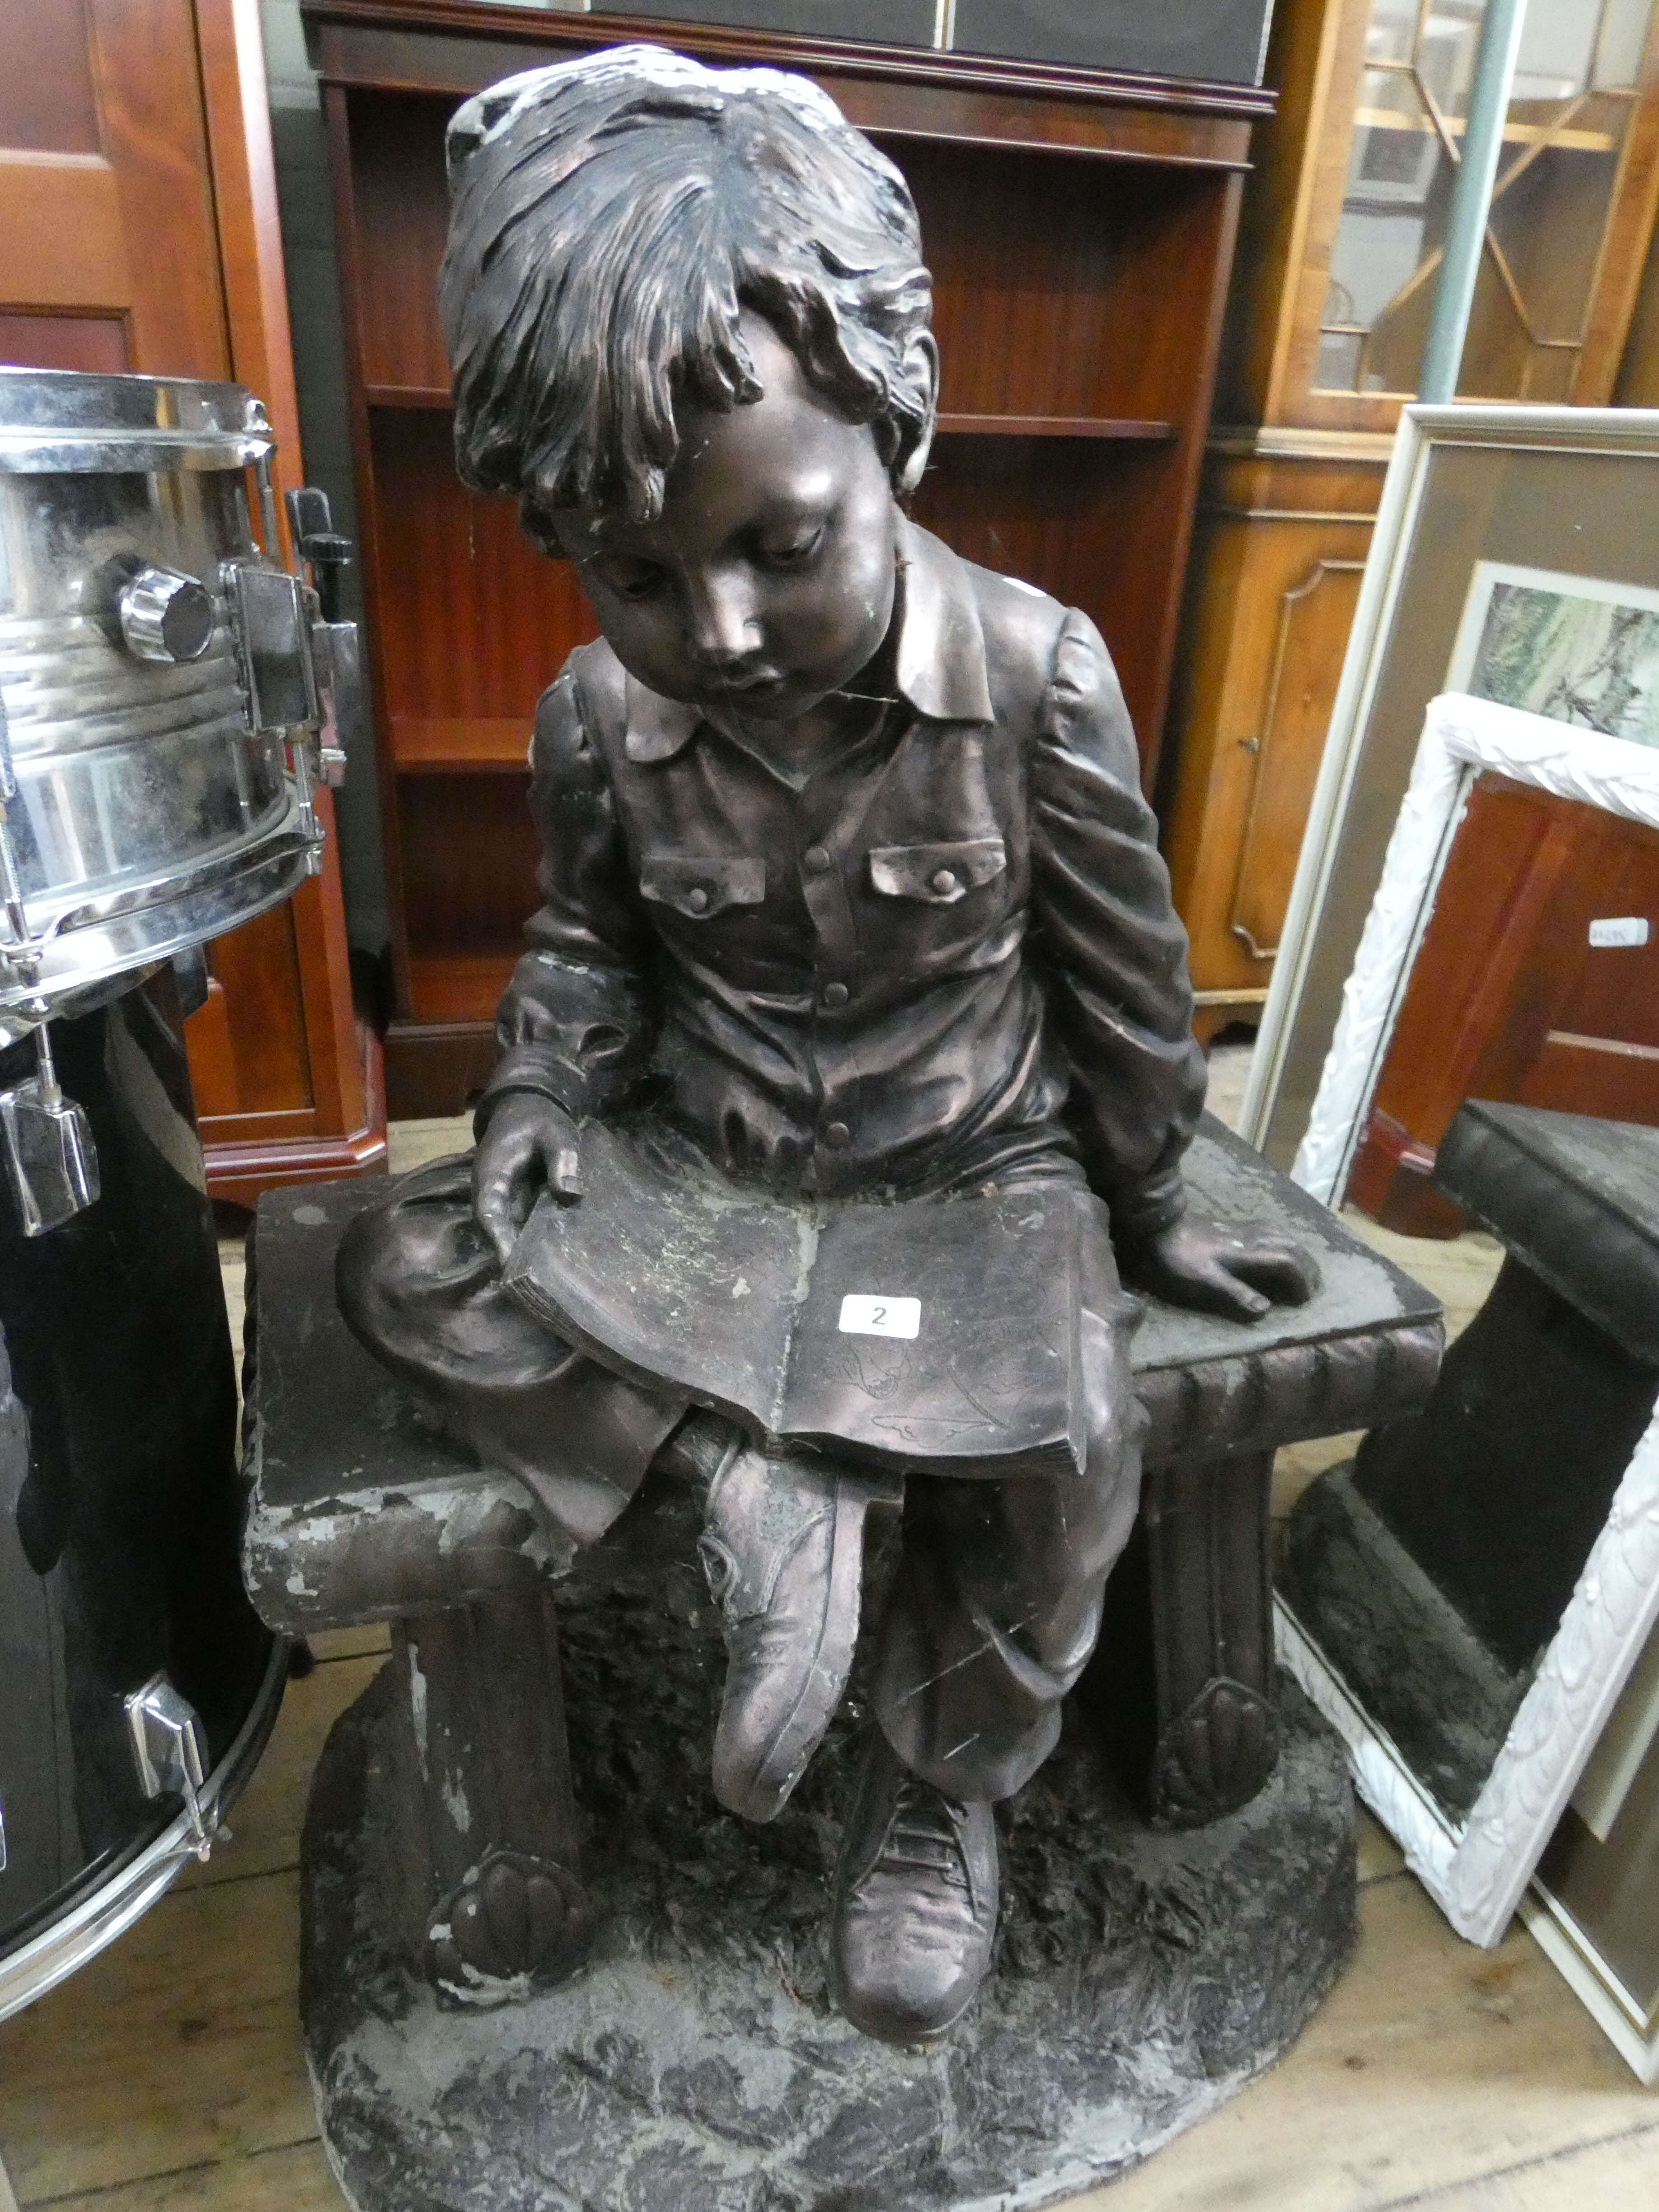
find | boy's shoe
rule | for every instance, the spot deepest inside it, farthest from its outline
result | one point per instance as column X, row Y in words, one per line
column 915, row 1906
column 783, row 1550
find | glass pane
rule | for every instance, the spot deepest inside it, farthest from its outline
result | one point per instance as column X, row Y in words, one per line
column 1571, row 105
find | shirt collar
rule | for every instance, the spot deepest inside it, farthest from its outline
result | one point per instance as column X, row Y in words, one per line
column 941, row 654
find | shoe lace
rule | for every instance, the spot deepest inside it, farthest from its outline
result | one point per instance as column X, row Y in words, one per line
column 719, row 1568
column 924, row 1832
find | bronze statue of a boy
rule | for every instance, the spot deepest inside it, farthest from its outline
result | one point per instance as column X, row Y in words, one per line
column 844, row 851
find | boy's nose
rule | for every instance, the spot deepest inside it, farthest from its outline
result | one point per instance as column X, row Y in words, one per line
column 723, row 627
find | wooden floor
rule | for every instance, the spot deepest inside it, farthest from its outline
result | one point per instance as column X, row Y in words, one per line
column 168, row 2075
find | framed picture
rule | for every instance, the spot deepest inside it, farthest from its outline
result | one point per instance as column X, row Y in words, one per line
column 1575, row 649
column 1544, row 499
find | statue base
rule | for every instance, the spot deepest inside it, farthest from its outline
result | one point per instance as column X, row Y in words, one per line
column 696, row 2063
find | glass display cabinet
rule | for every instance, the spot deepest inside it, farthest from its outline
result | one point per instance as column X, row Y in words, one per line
column 1343, row 237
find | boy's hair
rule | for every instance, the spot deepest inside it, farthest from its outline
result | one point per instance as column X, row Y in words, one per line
column 609, row 219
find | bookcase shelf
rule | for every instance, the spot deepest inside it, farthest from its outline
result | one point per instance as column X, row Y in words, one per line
column 1080, row 236
column 460, row 745
column 435, row 397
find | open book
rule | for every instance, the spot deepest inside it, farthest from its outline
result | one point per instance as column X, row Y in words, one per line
column 938, row 1334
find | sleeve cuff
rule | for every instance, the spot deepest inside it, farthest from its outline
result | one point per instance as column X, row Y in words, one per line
column 545, row 1075
column 1145, row 1209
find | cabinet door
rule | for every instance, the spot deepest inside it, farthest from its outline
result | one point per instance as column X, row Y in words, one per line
column 1537, row 981
column 1276, row 576
column 1571, row 212
column 133, row 237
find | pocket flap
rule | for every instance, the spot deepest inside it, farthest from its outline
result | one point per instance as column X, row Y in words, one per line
column 702, row 883
column 939, row 874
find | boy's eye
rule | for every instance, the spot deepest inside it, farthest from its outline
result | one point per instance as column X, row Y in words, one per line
column 632, row 580
column 795, row 550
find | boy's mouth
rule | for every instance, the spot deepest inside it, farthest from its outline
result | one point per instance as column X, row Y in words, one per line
column 759, row 679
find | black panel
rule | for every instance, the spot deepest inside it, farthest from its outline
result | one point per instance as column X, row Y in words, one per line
column 1222, row 42
column 119, row 1546
column 888, row 22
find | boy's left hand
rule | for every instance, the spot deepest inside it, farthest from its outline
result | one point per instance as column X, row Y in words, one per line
column 1220, row 1268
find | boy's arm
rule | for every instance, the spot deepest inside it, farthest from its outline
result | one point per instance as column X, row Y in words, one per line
column 1112, row 950
column 574, row 1027
column 574, row 1024
column 1115, row 957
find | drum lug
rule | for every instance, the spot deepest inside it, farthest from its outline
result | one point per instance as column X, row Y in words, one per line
column 336, row 646
column 48, row 1140
column 169, row 1748
column 268, row 615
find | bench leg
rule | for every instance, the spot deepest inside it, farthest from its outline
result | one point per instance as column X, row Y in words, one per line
column 505, row 1907
column 1182, row 1684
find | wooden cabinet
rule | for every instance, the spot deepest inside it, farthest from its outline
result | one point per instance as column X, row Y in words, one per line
column 1339, row 245
column 138, row 231
column 1079, row 225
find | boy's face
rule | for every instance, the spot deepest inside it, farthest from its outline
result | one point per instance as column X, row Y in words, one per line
column 767, row 580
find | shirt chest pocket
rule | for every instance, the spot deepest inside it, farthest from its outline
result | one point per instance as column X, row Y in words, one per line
column 702, row 884
column 937, row 875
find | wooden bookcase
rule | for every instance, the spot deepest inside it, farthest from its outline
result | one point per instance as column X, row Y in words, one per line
column 1080, row 225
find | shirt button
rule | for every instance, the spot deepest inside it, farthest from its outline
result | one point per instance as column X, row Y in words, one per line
column 698, row 899
column 838, row 1135
column 835, row 994
column 944, row 882
column 816, row 859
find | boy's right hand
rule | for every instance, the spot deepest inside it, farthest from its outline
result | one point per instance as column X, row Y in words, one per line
column 529, row 1144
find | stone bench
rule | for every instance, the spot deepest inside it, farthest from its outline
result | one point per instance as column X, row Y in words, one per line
column 363, row 1509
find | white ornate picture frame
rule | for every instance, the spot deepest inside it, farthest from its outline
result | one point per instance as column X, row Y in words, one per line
column 1460, row 738
column 1477, row 1871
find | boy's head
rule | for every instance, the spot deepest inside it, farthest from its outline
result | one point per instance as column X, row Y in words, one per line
column 689, row 326
column 612, row 220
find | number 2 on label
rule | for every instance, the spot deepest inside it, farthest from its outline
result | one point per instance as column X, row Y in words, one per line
column 862, row 1313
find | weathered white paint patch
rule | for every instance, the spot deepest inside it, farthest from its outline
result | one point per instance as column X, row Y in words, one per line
column 454, row 1794
column 417, row 1709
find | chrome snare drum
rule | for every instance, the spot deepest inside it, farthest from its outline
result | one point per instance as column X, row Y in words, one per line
column 163, row 681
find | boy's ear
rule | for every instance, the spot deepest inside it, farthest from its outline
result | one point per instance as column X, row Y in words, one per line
column 922, row 375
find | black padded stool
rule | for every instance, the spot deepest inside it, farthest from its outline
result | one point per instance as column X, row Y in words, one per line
column 363, row 1509
column 1436, row 1568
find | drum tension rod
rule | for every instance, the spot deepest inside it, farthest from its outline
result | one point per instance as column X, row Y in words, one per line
column 24, row 956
